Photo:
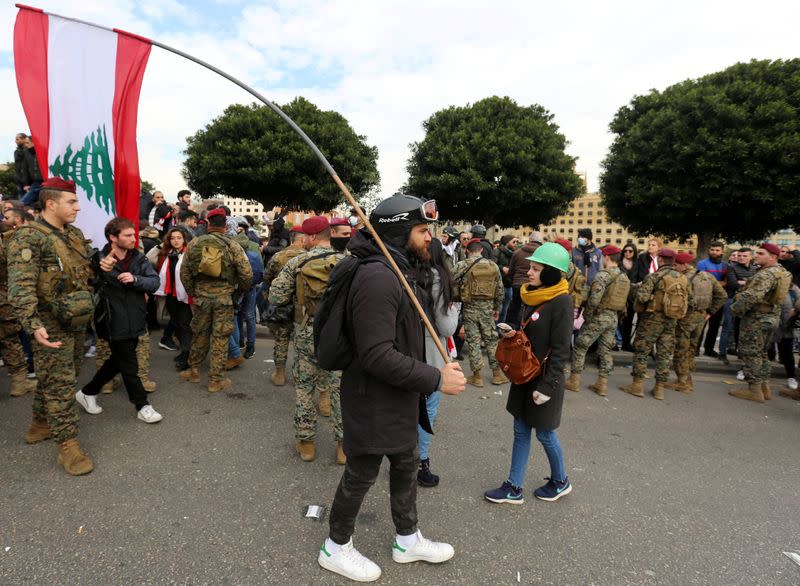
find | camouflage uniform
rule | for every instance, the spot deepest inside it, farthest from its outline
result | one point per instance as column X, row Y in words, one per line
column 281, row 332
column 600, row 325
column 760, row 318
column 308, row 376
column 34, row 266
column 10, row 346
column 655, row 328
column 212, row 318
column 689, row 329
column 478, row 320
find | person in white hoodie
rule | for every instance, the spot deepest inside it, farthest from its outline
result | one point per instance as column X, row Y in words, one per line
column 168, row 264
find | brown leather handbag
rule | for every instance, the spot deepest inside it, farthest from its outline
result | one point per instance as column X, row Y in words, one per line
column 516, row 358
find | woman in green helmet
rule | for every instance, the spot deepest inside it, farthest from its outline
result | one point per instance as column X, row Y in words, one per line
column 547, row 321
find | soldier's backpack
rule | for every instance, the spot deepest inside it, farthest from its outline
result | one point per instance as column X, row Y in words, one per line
column 479, row 281
column 615, row 297
column 311, row 279
column 674, row 296
column 211, row 256
column 703, row 290
column 783, row 283
column 577, row 288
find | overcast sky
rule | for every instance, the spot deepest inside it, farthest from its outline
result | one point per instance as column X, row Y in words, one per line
column 388, row 65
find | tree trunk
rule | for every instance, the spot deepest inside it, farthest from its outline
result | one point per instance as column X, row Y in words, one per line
column 704, row 239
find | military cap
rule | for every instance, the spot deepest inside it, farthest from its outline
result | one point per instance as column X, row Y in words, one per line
column 684, row 258
column 215, row 212
column 610, row 249
column 315, row 225
column 666, row 253
column 771, row 248
column 58, row 184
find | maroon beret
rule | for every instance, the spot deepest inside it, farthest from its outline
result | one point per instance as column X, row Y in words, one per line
column 771, row 248
column 684, row 258
column 215, row 212
column 565, row 243
column 297, row 228
column 59, row 184
column 315, row 225
column 666, row 253
column 339, row 222
column 610, row 249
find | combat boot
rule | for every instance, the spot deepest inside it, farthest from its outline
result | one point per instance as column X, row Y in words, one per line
column 232, row 363
column 673, row 384
column 476, row 380
column 766, row 391
column 38, row 431
column 498, row 378
column 307, row 450
column 215, row 386
column 684, row 384
column 149, row 386
column 636, row 388
column 191, row 375
column 658, row 391
column 109, row 387
column 751, row 393
column 341, row 459
column 573, row 383
column 72, row 458
column 21, row 384
column 790, row 394
column 325, row 403
column 278, row 377
column 600, row 387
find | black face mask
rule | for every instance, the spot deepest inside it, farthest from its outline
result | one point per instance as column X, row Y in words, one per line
column 340, row 243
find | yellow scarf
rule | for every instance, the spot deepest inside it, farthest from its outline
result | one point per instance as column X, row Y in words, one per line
column 535, row 297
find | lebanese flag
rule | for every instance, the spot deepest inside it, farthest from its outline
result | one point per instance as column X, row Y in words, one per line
column 79, row 87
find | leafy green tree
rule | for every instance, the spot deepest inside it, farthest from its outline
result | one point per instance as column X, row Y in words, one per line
column 717, row 156
column 7, row 184
column 496, row 162
column 147, row 186
column 249, row 152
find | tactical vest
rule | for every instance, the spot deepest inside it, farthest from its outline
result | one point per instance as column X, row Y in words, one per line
column 703, row 289
column 576, row 281
column 311, row 280
column 284, row 256
column 615, row 297
column 783, row 282
column 480, row 281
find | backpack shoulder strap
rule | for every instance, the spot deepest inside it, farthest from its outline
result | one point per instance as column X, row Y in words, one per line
column 316, row 256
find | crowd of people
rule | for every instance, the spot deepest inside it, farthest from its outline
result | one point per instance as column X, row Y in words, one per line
column 377, row 373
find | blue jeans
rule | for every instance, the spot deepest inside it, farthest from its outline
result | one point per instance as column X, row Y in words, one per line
column 522, row 450
column 233, row 342
column 261, row 300
column 32, row 195
column 424, row 437
column 727, row 327
column 247, row 315
column 507, row 294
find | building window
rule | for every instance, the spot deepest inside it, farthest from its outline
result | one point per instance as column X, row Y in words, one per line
column 571, row 222
column 619, row 230
column 619, row 241
column 562, row 230
column 580, row 213
column 641, row 241
column 608, row 230
column 589, row 213
column 590, row 204
column 563, row 222
column 589, row 221
column 570, row 230
column 580, row 205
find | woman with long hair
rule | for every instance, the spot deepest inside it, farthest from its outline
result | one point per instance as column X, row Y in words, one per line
column 536, row 405
column 178, row 303
column 628, row 266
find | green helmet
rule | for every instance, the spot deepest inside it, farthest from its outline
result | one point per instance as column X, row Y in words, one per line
column 553, row 255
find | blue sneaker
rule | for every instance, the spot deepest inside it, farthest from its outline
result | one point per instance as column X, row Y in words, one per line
column 553, row 490
column 505, row 494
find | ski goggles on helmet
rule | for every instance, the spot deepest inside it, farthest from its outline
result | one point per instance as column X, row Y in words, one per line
column 429, row 210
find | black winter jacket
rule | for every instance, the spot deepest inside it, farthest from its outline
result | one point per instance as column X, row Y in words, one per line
column 551, row 332
column 126, row 304
column 503, row 259
column 641, row 268
column 383, row 390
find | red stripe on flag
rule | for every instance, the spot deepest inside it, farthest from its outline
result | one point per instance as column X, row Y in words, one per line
column 30, row 64
column 132, row 55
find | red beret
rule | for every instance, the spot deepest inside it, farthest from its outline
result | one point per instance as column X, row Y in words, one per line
column 473, row 240
column 565, row 243
column 59, row 184
column 666, row 253
column 339, row 222
column 215, row 212
column 297, row 228
column 771, row 248
column 315, row 225
column 610, row 249
column 684, row 258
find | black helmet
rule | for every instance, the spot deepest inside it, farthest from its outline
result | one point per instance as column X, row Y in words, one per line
column 478, row 231
column 394, row 217
column 451, row 231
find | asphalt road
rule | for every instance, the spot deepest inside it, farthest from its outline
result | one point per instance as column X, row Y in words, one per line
column 699, row 489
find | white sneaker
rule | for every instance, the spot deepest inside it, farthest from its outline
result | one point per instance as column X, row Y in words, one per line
column 149, row 415
column 348, row 562
column 91, row 352
column 424, row 550
column 88, row 402
column 31, row 375
column 792, row 384
column 740, row 375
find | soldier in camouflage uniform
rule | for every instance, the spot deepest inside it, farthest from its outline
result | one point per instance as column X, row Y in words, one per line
column 10, row 346
column 482, row 296
column 308, row 376
column 142, row 357
column 654, row 326
column 212, row 319
column 283, row 331
column 758, row 303
column 608, row 296
column 709, row 297
column 49, row 274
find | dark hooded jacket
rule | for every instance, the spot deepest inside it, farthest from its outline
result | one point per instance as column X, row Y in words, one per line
column 384, row 388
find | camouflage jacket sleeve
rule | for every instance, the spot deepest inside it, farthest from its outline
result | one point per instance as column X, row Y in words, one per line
column 282, row 289
column 597, row 290
column 754, row 293
column 646, row 289
column 191, row 260
column 499, row 290
column 718, row 298
column 273, row 267
column 459, row 269
column 24, row 265
column 244, row 272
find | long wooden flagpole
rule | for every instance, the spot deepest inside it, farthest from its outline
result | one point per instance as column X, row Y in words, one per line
column 328, row 167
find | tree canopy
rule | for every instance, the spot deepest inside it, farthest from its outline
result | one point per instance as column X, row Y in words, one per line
column 496, row 162
column 717, row 156
column 249, row 152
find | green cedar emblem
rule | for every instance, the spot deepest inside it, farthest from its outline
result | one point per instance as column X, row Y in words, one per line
column 90, row 168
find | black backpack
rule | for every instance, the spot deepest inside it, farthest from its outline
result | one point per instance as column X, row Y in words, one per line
column 333, row 344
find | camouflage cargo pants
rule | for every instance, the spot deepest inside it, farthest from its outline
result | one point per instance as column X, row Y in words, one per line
column 479, row 327
column 282, row 334
column 600, row 327
column 11, row 347
column 212, row 325
column 654, row 328
column 687, row 337
column 308, row 378
column 755, row 337
column 142, row 355
column 56, row 369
